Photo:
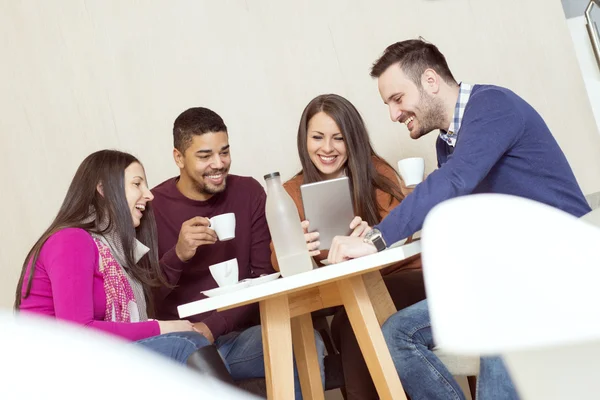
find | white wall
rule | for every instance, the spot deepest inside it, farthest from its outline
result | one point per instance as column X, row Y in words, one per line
column 588, row 65
column 79, row 76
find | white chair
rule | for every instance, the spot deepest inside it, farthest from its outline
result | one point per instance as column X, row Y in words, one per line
column 44, row 358
column 507, row 275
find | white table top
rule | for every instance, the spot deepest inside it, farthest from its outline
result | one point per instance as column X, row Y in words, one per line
column 304, row 280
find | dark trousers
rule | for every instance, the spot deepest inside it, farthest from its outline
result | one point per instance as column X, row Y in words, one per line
column 406, row 288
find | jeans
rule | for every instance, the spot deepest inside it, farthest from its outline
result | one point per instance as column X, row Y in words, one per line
column 177, row 346
column 423, row 375
column 242, row 352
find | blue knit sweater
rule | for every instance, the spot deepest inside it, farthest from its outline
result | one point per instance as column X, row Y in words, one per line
column 503, row 146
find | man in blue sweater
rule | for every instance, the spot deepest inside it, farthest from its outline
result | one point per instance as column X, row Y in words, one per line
column 490, row 141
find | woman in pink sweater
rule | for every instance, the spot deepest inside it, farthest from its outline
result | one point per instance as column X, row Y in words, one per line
column 97, row 262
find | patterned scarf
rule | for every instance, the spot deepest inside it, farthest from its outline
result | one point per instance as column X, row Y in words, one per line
column 124, row 294
column 120, row 300
column 125, row 298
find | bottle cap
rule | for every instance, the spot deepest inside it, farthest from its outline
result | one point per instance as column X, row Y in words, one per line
column 271, row 175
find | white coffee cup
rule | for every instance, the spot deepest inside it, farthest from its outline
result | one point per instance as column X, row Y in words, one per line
column 225, row 273
column 224, row 226
column 412, row 170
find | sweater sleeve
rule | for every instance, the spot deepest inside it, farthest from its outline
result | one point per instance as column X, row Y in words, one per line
column 71, row 260
column 491, row 126
column 223, row 322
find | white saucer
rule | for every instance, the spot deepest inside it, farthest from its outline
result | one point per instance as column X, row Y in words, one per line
column 241, row 285
column 226, row 289
column 262, row 279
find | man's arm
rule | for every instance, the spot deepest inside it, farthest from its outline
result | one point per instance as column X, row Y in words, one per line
column 194, row 232
column 491, row 126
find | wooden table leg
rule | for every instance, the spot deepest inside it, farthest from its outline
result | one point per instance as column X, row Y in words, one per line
column 277, row 347
column 305, row 351
column 380, row 297
column 370, row 339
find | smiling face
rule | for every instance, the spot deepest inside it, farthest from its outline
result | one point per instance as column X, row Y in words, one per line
column 325, row 146
column 204, row 165
column 137, row 192
column 418, row 108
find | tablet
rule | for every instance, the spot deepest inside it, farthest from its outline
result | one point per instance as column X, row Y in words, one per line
column 328, row 208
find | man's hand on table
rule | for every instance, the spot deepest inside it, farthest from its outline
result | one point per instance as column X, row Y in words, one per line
column 347, row 247
column 203, row 329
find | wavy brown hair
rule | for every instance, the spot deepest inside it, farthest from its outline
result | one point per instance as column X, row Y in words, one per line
column 83, row 200
column 363, row 176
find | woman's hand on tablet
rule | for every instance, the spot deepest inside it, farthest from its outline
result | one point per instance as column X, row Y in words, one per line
column 312, row 240
column 359, row 227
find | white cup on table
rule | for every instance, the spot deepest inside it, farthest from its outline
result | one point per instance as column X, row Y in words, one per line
column 225, row 273
column 412, row 170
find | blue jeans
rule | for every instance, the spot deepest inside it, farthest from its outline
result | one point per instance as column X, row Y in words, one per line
column 177, row 346
column 423, row 375
column 242, row 352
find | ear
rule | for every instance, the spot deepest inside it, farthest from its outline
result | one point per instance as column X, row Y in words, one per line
column 178, row 157
column 430, row 81
column 100, row 189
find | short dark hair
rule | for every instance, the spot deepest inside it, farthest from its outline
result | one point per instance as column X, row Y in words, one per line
column 195, row 121
column 413, row 57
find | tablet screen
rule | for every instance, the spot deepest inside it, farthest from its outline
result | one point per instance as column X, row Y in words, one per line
column 328, row 208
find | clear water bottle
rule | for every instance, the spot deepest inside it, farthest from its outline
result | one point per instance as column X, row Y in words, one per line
column 286, row 231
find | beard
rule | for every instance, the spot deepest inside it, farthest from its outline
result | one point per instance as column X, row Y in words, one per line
column 204, row 187
column 431, row 115
column 207, row 188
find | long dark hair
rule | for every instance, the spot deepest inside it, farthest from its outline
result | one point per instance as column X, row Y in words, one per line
column 83, row 200
column 364, row 178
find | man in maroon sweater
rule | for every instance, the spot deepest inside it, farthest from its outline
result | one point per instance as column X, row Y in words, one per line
column 187, row 246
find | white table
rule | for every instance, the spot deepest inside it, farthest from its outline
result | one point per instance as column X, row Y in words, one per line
column 285, row 307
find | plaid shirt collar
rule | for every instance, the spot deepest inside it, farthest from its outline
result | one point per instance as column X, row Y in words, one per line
column 449, row 136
